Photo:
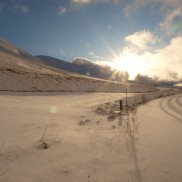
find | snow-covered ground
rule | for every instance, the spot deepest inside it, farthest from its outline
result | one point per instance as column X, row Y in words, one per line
column 23, row 81
column 85, row 146
column 19, row 71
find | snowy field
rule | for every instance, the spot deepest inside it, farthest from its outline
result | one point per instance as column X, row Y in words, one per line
column 84, row 146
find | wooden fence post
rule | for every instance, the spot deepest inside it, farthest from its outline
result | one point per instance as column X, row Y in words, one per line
column 121, row 105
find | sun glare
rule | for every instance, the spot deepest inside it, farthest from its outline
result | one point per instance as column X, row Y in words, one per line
column 130, row 63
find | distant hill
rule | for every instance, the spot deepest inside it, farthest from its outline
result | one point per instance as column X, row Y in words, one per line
column 85, row 68
column 57, row 63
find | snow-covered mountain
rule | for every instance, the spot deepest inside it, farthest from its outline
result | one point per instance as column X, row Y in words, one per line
column 19, row 60
column 20, row 71
column 86, row 68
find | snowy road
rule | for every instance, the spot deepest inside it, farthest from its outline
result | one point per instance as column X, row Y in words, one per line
column 84, row 146
column 160, row 128
column 173, row 106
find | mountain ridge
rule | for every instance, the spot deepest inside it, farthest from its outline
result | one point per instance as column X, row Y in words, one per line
column 20, row 71
column 88, row 68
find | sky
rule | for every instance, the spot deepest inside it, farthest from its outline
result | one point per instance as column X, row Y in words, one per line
column 139, row 36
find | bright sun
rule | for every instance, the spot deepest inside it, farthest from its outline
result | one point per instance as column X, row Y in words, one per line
column 130, row 63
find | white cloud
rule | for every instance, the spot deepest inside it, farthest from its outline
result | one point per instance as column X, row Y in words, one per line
column 95, row 57
column 141, row 39
column 80, row 2
column 167, row 24
column 165, row 63
column 80, row 60
column 141, row 3
column 62, row 10
column 86, row 2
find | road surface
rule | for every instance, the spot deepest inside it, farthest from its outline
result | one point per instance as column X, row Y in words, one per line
column 159, row 151
column 144, row 146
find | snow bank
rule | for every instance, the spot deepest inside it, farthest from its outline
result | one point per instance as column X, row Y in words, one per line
column 14, row 80
column 133, row 101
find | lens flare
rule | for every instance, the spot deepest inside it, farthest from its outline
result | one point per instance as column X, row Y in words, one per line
column 53, row 109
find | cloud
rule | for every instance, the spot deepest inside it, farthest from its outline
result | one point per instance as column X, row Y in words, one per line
column 169, row 25
column 170, row 10
column 86, row 2
column 62, row 10
column 170, row 17
column 62, row 52
column 95, row 57
column 172, row 2
column 160, row 64
column 141, row 57
column 141, row 39
column 145, row 79
column 23, row 8
column 165, row 63
column 141, row 3
column 80, row 2
column 16, row 7
column 96, row 69
column 81, row 61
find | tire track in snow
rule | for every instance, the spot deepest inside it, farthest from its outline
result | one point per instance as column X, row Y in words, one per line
column 166, row 111
column 173, row 107
column 178, row 101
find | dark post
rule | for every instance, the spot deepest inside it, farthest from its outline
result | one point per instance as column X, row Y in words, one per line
column 126, row 93
column 121, row 105
column 126, row 89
